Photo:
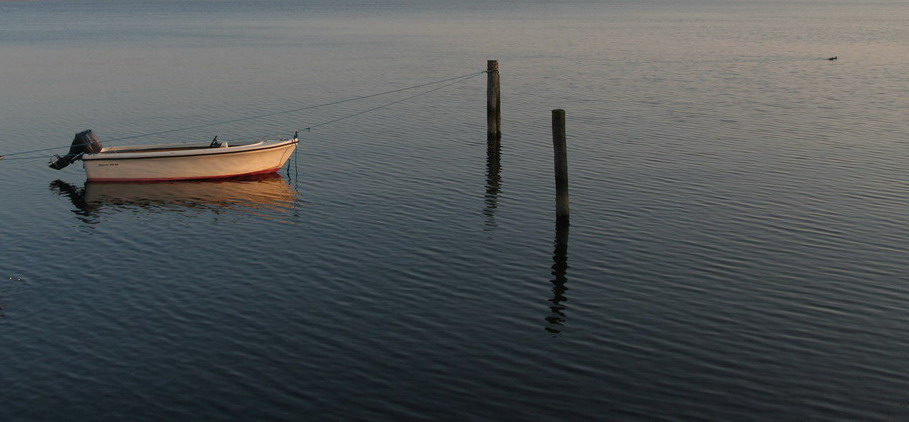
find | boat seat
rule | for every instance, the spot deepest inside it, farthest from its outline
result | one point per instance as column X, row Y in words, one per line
column 215, row 144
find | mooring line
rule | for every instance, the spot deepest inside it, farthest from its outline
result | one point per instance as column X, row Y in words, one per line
column 462, row 79
column 456, row 79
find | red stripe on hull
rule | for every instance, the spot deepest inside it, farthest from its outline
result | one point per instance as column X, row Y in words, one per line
column 172, row 179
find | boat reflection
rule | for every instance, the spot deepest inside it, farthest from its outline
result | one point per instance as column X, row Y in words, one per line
column 267, row 195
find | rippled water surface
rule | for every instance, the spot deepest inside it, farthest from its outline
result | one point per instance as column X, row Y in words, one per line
column 738, row 239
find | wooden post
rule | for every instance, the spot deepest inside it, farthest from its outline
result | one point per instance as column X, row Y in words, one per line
column 561, row 165
column 493, row 113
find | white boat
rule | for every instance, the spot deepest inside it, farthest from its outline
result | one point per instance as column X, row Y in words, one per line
column 147, row 163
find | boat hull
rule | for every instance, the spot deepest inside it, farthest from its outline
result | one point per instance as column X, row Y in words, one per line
column 134, row 165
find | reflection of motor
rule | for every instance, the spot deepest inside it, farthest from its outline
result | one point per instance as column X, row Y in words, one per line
column 84, row 143
column 75, row 194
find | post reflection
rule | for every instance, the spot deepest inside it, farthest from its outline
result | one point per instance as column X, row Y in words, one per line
column 493, row 183
column 557, row 317
column 269, row 194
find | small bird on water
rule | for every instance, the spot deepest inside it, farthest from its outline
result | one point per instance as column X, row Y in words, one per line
column 832, row 58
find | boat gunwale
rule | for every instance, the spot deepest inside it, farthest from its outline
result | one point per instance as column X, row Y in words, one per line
column 174, row 151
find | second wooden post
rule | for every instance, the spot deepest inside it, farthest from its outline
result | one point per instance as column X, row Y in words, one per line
column 493, row 114
column 560, row 151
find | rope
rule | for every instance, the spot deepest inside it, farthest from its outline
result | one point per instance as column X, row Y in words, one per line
column 3, row 158
column 260, row 116
column 463, row 78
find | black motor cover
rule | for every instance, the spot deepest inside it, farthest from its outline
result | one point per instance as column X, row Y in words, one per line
column 84, row 143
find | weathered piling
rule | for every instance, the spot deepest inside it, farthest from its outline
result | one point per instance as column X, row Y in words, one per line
column 560, row 151
column 493, row 104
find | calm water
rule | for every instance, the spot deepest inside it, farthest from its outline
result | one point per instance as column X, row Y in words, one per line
column 737, row 249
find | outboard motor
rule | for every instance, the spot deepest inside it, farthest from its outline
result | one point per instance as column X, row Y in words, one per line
column 84, row 143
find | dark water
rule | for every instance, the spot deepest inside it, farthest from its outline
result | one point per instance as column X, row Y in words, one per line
column 737, row 248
